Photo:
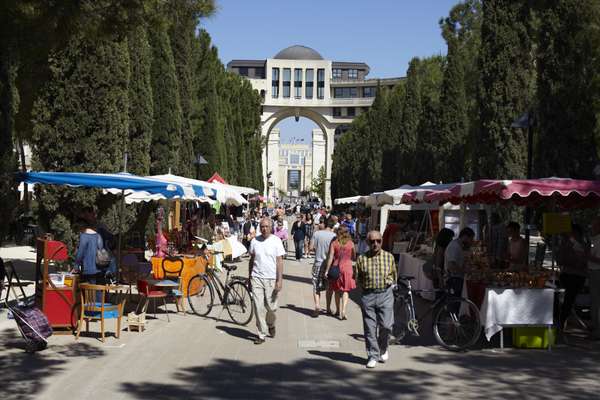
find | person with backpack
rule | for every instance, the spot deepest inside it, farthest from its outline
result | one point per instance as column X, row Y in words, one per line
column 90, row 244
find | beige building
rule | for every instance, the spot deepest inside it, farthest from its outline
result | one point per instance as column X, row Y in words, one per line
column 295, row 169
column 299, row 82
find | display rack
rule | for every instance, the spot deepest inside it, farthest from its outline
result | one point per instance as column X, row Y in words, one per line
column 56, row 301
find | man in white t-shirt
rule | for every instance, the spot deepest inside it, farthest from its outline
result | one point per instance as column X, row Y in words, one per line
column 266, row 277
column 454, row 260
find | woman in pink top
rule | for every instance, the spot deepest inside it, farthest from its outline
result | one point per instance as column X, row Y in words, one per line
column 282, row 233
column 342, row 253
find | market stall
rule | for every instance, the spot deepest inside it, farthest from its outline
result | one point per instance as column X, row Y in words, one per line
column 514, row 295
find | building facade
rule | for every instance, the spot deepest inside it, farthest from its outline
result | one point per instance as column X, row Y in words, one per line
column 295, row 169
column 299, row 82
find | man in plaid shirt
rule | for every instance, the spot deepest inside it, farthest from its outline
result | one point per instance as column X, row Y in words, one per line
column 376, row 273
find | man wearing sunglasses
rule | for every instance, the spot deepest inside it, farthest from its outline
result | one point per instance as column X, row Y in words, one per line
column 266, row 277
column 376, row 273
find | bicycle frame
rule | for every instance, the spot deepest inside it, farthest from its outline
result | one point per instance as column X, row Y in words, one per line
column 221, row 288
column 408, row 298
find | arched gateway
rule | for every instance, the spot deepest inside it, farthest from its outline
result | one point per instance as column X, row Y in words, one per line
column 298, row 82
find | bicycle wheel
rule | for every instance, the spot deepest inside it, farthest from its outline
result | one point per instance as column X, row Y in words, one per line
column 200, row 295
column 401, row 316
column 456, row 325
column 239, row 303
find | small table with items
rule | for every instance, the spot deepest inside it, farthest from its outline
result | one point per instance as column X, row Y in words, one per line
column 523, row 307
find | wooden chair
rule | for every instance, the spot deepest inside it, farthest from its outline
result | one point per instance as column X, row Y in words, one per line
column 13, row 282
column 172, row 268
column 95, row 308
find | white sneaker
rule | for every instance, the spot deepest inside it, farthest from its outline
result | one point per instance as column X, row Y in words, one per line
column 371, row 363
column 384, row 357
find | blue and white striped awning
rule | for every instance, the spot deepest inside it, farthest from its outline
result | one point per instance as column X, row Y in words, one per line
column 113, row 183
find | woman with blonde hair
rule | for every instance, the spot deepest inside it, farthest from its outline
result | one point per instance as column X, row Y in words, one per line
column 339, row 270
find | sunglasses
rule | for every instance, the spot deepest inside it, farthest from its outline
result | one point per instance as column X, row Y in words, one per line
column 265, row 226
column 374, row 240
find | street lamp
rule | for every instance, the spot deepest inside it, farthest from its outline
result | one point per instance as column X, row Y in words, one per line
column 525, row 121
column 199, row 161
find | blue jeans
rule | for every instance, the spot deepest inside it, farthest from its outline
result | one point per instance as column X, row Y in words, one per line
column 299, row 245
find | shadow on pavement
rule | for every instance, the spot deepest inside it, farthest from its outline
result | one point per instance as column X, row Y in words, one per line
column 339, row 356
column 25, row 375
column 237, row 332
column 307, row 378
column 300, row 310
column 299, row 279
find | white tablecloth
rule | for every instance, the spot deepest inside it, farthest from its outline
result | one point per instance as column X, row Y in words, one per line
column 409, row 265
column 502, row 307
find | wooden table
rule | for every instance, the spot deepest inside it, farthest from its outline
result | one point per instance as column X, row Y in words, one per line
column 192, row 266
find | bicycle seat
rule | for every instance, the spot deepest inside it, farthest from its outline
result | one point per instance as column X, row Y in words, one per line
column 229, row 267
column 406, row 277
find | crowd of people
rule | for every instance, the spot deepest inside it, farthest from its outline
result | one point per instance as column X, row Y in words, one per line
column 346, row 255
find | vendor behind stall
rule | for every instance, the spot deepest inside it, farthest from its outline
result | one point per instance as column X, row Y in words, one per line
column 517, row 247
column 454, row 260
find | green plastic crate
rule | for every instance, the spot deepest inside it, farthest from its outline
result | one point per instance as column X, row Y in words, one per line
column 533, row 337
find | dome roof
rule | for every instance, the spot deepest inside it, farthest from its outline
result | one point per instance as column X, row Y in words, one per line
column 298, row 52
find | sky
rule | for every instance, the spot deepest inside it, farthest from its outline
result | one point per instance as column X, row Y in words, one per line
column 385, row 34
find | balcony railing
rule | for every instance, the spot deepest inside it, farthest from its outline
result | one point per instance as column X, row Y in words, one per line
column 354, row 101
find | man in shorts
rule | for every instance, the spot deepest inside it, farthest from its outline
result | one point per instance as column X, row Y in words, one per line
column 320, row 245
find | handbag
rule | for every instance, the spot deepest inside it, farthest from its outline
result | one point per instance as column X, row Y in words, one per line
column 103, row 257
column 333, row 273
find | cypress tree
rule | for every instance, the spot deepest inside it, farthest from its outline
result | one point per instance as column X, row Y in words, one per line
column 411, row 114
column 453, row 134
column 81, row 124
column 141, row 110
column 567, row 82
column 9, row 103
column 430, row 80
column 166, row 130
column 506, row 87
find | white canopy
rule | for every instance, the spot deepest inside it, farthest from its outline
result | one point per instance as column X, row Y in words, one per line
column 226, row 194
column 348, row 200
column 394, row 196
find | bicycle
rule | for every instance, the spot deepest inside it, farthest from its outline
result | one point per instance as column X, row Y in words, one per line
column 456, row 322
column 234, row 294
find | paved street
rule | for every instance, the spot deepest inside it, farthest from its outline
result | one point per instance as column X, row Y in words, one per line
column 211, row 358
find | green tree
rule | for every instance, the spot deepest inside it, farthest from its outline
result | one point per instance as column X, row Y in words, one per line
column 318, row 184
column 568, row 78
column 166, row 131
column 8, row 109
column 430, row 80
column 507, row 84
column 81, row 124
column 141, row 110
column 458, row 115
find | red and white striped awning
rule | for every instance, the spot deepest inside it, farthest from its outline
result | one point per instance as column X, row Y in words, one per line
column 561, row 192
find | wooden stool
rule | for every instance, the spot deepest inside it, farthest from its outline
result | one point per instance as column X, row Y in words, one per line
column 137, row 321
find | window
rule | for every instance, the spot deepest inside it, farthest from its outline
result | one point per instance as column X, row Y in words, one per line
column 345, row 93
column 337, row 112
column 298, row 83
column 275, row 83
column 293, row 179
column 336, row 73
column 294, row 159
column 320, row 83
column 287, row 76
column 369, row 91
column 351, row 111
column 352, row 74
column 244, row 71
column 259, row 72
column 310, row 82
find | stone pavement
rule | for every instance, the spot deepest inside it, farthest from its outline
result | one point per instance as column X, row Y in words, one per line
column 323, row 358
